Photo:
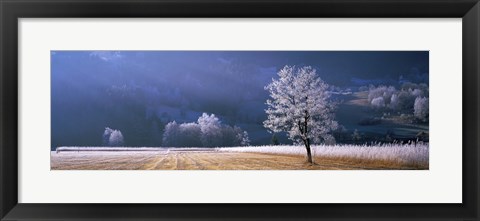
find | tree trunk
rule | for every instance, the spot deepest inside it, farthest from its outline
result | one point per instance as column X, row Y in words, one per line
column 309, row 152
column 304, row 131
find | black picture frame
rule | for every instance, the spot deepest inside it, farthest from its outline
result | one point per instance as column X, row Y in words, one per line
column 12, row 10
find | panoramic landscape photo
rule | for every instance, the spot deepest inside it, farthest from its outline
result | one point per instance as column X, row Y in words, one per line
column 239, row 110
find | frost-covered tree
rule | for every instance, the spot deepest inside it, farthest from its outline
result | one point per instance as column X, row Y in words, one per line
column 182, row 135
column 405, row 101
column 378, row 102
column 106, row 136
column 170, row 134
column 116, row 138
column 421, row 108
column 300, row 105
column 112, row 137
column 211, row 130
column 417, row 92
column 245, row 139
column 190, row 135
column 231, row 136
column 394, row 101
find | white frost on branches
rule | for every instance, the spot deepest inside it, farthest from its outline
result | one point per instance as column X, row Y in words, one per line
column 106, row 135
column 112, row 137
column 208, row 131
column 300, row 106
column 378, row 102
column 245, row 139
column 403, row 100
column 421, row 108
column 210, row 127
column 170, row 136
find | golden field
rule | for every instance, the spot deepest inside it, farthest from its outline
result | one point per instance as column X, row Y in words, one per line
column 211, row 160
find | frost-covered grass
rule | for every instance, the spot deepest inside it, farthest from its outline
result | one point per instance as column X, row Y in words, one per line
column 410, row 154
column 394, row 155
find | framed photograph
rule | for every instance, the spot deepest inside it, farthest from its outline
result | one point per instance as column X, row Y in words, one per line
column 255, row 110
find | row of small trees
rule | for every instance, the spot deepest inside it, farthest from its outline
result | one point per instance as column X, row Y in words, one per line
column 208, row 131
column 411, row 98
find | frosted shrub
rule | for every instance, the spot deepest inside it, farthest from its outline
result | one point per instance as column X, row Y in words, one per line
column 106, row 136
column 245, row 139
column 393, row 102
column 417, row 93
column 211, row 130
column 231, row 136
column 171, row 134
column 378, row 102
column 381, row 91
column 421, row 108
column 112, row 137
column 405, row 101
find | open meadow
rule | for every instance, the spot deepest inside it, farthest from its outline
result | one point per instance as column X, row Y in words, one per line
column 340, row 157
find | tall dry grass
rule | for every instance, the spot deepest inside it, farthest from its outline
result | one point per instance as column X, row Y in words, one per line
column 413, row 154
